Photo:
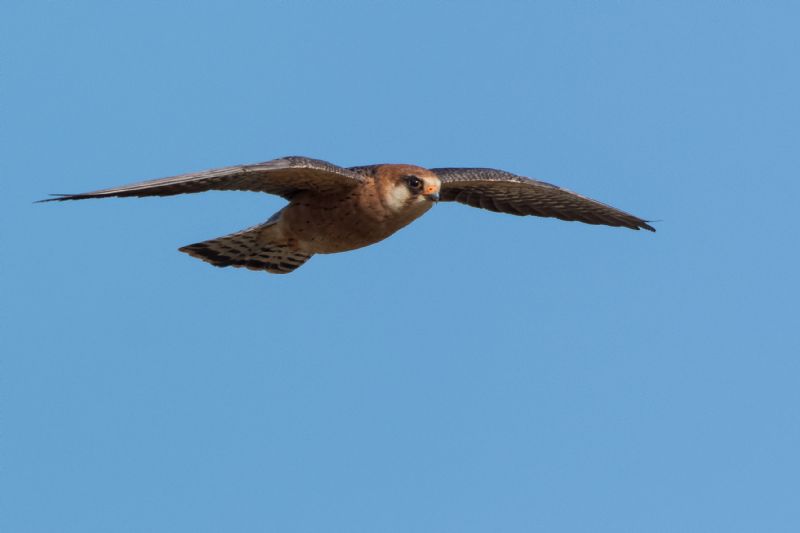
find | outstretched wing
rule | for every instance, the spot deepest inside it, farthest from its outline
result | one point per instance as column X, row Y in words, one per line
column 505, row 192
column 283, row 177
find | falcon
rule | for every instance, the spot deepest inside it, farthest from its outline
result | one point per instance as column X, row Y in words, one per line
column 335, row 209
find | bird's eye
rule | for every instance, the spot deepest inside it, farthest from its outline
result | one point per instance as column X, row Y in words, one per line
column 414, row 183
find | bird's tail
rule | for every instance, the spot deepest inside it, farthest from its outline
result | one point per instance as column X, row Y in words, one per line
column 257, row 248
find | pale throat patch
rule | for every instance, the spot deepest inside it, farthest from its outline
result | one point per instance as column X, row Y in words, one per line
column 397, row 197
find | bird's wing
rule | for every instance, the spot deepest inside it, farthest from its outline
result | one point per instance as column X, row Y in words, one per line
column 283, row 177
column 505, row 192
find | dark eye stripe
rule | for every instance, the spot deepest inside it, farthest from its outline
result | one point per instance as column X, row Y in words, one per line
column 414, row 183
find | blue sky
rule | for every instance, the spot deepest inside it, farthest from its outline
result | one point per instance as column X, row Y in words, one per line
column 475, row 372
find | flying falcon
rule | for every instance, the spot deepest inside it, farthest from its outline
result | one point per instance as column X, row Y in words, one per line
column 334, row 209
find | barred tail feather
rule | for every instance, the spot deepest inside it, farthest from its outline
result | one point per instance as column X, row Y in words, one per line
column 249, row 249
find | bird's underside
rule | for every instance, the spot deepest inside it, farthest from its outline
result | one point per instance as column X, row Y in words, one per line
column 335, row 209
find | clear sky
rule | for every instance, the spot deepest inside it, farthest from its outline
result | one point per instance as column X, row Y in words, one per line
column 475, row 372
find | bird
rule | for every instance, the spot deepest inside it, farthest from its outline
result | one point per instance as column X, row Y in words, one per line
column 335, row 209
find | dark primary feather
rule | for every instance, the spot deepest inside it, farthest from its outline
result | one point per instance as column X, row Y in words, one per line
column 505, row 192
column 283, row 177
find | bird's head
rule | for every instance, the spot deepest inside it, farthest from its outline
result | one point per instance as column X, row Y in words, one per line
column 408, row 187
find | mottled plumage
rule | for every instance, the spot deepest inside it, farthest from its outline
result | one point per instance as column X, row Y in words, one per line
column 334, row 209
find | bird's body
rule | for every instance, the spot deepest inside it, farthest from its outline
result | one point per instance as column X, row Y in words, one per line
column 333, row 209
column 356, row 218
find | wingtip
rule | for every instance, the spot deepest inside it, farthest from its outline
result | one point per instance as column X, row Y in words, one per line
column 65, row 197
column 58, row 198
column 645, row 224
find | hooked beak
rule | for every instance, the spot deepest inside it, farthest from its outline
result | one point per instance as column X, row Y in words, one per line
column 433, row 197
